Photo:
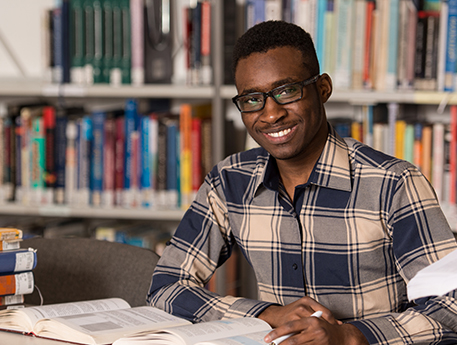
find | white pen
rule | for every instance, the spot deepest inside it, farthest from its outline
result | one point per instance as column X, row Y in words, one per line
column 284, row 337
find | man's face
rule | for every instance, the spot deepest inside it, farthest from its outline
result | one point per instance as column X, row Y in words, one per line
column 290, row 131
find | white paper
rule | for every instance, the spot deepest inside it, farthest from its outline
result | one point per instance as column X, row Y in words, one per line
column 435, row 280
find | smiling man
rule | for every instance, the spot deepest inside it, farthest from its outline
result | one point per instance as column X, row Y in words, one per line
column 327, row 223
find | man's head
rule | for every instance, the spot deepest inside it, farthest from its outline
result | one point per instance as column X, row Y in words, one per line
column 274, row 34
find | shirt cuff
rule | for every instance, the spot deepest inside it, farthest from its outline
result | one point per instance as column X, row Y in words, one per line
column 246, row 307
column 378, row 330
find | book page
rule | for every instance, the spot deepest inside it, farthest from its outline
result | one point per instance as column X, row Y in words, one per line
column 25, row 318
column 200, row 332
column 435, row 280
column 246, row 339
column 105, row 327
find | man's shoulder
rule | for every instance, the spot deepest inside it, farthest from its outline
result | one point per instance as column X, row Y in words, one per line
column 250, row 159
column 366, row 155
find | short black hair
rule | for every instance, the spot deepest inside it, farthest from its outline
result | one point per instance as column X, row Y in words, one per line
column 275, row 34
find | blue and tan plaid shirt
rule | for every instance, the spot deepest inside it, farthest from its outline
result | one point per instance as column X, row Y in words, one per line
column 367, row 223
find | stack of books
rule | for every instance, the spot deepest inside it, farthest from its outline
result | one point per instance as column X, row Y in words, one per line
column 16, row 265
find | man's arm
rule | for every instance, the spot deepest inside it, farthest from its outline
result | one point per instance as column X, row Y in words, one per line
column 201, row 243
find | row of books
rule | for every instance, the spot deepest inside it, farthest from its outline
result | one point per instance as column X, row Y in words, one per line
column 16, row 266
column 128, row 42
column 105, row 158
column 432, row 147
column 375, row 44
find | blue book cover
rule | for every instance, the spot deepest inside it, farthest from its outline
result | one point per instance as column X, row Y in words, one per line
column 20, row 260
column 98, row 122
column 145, row 154
column 320, row 30
column 84, row 152
column 392, row 55
column 255, row 12
column 451, row 47
column 172, row 153
column 57, row 40
column 130, row 124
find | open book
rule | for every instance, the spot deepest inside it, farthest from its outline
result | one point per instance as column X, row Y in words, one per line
column 238, row 331
column 435, row 280
column 91, row 322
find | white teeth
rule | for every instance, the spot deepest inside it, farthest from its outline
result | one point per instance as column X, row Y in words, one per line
column 280, row 133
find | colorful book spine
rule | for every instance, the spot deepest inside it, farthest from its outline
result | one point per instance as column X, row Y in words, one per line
column 109, row 149
column 146, row 169
column 16, row 284
column 97, row 156
column 38, row 159
column 15, row 261
column 60, row 158
column 49, row 122
column 451, row 48
column 185, row 123
column 119, row 159
column 71, row 174
column 83, row 162
column 130, row 126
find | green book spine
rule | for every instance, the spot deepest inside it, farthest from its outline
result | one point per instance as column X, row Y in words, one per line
column 77, row 41
column 126, row 62
column 89, row 42
column 38, row 153
column 98, row 41
column 108, row 24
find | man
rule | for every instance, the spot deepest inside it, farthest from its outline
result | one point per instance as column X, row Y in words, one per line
column 327, row 224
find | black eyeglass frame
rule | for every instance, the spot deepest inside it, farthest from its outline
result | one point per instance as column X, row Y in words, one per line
column 270, row 94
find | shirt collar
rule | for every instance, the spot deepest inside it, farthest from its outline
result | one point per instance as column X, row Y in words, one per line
column 332, row 170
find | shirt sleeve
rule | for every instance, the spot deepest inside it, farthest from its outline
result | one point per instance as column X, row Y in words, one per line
column 202, row 242
column 420, row 236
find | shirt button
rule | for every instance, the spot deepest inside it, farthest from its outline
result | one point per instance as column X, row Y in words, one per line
column 294, row 266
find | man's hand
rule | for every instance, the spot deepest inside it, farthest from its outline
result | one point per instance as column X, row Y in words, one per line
column 295, row 319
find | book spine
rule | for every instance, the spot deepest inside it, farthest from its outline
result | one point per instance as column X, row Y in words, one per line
column 49, row 121
column 360, row 13
column 453, row 156
column 136, row 16
column 60, row 159
column 146, row 171
column 65, row 41
column 344, row 19
column 206, row 68
column 16, row 261
column 438, row 159
column 57, row 38
column 441, row 45
column 89, row 42
column 84, row 152
column 37, row 159
column 98, row 41
column 185, row 123
column 330, row 38
column 427, row 143
column 16, row 284
column 196, row 143
column 153, row 144
column 107, row 63
column 18, row 143
column 119, row 159
column 451, row 47
column 97, row 157
column 320, row 31
column 9, row 159
column 11, row 300
column 161, row 185
column 130, row 124
column 115, row 76
column 71, row 162
column 77, row 27
column 418, row 145
column 109, row 143
column 126, row 60
column 392, row 55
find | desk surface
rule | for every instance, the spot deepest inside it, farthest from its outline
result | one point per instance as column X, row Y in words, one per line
column 19, row 339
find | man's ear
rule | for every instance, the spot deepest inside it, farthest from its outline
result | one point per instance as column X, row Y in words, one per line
column 325, row 87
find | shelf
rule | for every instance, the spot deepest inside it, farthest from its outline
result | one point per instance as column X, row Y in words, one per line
column 363, row 97
column 38, row 89
column 91, row 212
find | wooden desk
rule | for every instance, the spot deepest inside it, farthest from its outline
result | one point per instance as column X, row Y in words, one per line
column 9, row 338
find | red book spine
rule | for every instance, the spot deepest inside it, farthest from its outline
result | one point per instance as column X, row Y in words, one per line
column 109, row 155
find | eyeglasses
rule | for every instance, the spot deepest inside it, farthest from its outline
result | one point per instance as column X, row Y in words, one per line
column 284, row 94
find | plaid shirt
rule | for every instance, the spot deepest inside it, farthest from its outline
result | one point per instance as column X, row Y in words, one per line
column 368, row 222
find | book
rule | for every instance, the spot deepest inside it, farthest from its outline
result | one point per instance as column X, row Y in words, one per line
column 451, row 45
column 15, row 261
column 16, row 284
column 344, row 38
column 407, row 44
column 137, row 43
column 88, row 322
column 246, row 330
column 49, row 122
column 10, row 238
column 97, row 156
column 77, row 43
column 109, row 149
column 435, row 279
column 71, row 176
